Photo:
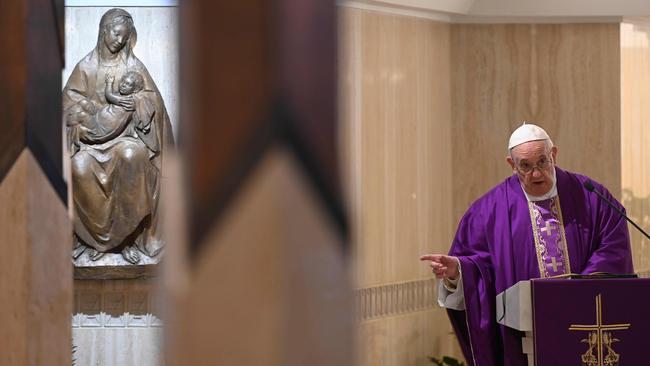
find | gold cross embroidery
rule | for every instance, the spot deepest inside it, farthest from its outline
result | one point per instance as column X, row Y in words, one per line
column 555, row 264
column 599, row 327
column 548, row 228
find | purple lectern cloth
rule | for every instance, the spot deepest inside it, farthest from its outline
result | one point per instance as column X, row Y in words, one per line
column 494, row 243
column 560, row 304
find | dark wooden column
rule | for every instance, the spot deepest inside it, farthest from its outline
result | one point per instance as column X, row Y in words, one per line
column 35, row 231
column 267, row 227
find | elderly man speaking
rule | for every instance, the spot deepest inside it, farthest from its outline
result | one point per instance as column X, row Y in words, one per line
column 539, row 222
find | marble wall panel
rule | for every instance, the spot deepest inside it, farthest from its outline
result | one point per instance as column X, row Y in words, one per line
column 408, row 339
column 396, row 130
column 635, row 133
column 565, row 77
column 395, row 113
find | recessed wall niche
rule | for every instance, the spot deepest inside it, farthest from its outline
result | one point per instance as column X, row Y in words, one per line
column 120, row 116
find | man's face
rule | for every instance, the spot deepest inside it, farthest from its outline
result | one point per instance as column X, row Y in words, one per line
column 116, row 36
column 533, row 163
column 127, row 85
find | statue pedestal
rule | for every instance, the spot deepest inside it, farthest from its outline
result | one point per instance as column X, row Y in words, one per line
column 112, row 266
column 118, row 323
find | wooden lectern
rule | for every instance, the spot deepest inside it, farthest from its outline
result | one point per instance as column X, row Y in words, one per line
column 589, row 322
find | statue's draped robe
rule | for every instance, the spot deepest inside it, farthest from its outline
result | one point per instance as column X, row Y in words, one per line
column 494, row 243
column 117, row 183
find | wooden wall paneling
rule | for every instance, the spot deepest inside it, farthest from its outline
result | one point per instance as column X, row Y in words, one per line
column 635, row 133
column 564, row 77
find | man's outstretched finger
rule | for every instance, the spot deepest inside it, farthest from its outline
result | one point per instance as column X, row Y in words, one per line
column 431, row 257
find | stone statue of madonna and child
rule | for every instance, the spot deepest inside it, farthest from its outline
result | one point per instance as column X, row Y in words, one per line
column 117, row 129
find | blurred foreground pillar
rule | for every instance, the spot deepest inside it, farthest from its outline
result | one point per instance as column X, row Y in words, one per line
column 35, row 230
column 268, row 282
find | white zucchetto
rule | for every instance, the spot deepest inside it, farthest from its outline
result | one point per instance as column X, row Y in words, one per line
column 527, row 132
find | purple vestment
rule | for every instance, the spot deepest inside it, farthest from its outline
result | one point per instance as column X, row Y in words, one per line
column 496, row 248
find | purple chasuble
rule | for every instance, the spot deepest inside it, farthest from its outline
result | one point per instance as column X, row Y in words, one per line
column 497, row 247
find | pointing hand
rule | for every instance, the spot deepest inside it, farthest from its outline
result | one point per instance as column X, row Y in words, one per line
column 443, row 266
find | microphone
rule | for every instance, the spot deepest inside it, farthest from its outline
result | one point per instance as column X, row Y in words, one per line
column 590, row 187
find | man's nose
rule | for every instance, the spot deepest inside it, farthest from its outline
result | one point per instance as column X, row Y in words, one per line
column 537, row 172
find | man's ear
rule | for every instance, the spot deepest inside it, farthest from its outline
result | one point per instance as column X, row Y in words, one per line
column 510, row 161
column 554, row 153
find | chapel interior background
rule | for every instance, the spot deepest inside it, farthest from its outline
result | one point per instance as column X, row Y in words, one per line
column 423, row 105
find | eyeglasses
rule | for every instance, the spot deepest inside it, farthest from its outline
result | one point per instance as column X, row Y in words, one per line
column 527, row 168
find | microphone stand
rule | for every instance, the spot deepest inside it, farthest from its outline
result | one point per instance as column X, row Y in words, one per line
column 590, row 187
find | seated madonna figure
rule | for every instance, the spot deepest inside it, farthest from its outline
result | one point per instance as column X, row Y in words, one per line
column 116, row 142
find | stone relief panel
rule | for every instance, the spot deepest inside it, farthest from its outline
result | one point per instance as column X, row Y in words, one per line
column 118, row 129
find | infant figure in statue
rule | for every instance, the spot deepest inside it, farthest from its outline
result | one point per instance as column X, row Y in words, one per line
column 99, row 125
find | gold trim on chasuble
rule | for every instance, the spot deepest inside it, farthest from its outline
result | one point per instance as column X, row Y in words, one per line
column 540, row 244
